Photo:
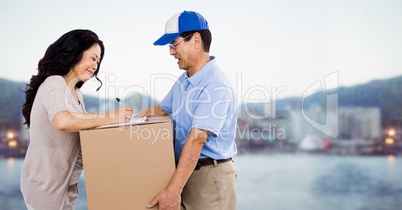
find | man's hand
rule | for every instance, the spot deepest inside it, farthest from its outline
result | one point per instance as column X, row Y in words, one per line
column 152, row 112
column 167, row 199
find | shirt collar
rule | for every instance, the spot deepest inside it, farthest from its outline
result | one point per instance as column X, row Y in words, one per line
column 202, row 73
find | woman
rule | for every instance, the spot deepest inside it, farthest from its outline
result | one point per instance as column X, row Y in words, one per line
column 55, row 112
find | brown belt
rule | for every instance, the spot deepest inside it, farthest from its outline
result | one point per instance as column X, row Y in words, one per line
column 208, row 162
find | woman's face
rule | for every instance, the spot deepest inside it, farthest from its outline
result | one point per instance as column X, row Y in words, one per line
column 88, row 64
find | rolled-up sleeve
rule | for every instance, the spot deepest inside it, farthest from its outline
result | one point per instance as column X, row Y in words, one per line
column 214, row 106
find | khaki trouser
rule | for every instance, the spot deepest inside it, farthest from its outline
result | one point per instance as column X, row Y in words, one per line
column 211, row 187
column 71, row 199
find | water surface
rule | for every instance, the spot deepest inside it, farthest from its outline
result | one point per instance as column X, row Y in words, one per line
column 282, row 182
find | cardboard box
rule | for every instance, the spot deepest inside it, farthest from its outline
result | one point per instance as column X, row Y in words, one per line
column 126, row 167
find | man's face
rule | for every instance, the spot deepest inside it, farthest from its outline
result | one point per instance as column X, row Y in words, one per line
column 181, row 50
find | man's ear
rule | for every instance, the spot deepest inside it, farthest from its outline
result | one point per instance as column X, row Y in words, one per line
column 197, row 40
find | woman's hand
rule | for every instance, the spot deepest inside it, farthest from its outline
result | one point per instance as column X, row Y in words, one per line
column 122, row 114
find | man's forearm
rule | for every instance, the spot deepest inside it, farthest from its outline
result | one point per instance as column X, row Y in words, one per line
column 188, row 159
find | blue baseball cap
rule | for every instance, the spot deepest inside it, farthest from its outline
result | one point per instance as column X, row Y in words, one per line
column 182, row 22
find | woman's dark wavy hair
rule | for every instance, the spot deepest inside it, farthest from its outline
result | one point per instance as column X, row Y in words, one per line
column 59, row 58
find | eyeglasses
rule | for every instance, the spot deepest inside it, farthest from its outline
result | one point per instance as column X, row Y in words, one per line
column 173, row 46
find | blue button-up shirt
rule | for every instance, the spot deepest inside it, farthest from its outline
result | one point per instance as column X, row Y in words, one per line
column 204, row 101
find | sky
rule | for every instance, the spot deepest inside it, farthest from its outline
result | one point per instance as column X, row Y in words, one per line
column 269, row 49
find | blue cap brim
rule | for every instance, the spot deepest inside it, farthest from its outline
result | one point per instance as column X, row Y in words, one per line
column 166, row 38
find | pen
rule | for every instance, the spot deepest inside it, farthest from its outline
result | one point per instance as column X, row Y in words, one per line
column 121, row 103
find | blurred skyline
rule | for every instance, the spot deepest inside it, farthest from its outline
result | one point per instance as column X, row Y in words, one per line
column 287, row 45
